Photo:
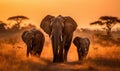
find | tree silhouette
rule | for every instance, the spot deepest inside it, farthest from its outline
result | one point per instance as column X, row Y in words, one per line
column 108, row 21
column 29, row 26
column 18, row 20
column 2, row 26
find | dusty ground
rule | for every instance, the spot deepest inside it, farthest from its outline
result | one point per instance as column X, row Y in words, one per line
column 12, row 57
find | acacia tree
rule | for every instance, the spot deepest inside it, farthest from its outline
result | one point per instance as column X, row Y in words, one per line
column 18, row 20
column 108, row 21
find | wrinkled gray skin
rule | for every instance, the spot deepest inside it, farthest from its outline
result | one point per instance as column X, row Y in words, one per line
column 34, row 39
column 82, row 45
column 60, row 29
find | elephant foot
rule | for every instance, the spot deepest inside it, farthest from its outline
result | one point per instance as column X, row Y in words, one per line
column 37, row 55
column 27, row 55
column 65, row 58
column 80, row 59
column 55, row 60
column 58, row 61
column 61, row 60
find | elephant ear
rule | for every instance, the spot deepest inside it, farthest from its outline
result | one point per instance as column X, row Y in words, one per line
column 45, row 24
column 76, row 42
column 69, row 25
column 24, row 35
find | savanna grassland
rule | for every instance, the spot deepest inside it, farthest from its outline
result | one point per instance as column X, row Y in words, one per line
column 100, row 57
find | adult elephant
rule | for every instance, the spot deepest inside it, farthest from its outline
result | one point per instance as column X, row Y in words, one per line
column 82, row 45
column 34, row 40
column 60, row 29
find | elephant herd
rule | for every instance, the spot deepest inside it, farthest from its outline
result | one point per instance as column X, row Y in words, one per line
column 60, row 30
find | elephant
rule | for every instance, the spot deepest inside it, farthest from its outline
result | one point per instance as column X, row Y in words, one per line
column 82, row 45
column 60, row 29
column 34, row 39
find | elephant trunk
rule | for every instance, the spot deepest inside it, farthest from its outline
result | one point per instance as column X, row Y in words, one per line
column 29, row 47
column 61, row 38
column 55, row 45
column 79, row 54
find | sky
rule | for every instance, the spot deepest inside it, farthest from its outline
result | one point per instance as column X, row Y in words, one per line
column 82, row 11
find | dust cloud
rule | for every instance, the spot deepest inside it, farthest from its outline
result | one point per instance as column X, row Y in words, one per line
column 13, row 56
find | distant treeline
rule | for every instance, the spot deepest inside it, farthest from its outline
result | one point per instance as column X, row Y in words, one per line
column 16, row 26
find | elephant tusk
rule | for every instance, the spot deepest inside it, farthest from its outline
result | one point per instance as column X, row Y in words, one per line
column 61, row 38
column 85, row 49
column 51, row 36
column 79, row 49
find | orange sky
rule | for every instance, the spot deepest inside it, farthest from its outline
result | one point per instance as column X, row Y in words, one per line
column 83, row 11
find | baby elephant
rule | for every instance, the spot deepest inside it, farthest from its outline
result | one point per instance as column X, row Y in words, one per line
column 34, row 39
column 82, row 45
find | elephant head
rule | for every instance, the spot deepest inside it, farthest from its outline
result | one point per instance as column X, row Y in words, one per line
column 27, row 37
column 57, row 28
column 82, row 45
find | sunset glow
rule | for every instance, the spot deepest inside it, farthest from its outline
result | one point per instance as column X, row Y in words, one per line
column 83, row 11
column 31, row 39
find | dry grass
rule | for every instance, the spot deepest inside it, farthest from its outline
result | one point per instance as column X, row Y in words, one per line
column 14, row 59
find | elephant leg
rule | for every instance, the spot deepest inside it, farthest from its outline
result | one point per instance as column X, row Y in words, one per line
column 55, row 55
column 66, row 47
column 41, row 46
column 85, row 54
column 28, row 50
column 39, row 51
column 66, row 50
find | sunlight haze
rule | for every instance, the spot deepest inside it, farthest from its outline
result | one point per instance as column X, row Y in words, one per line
column 83, row 11
column 27, row 45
